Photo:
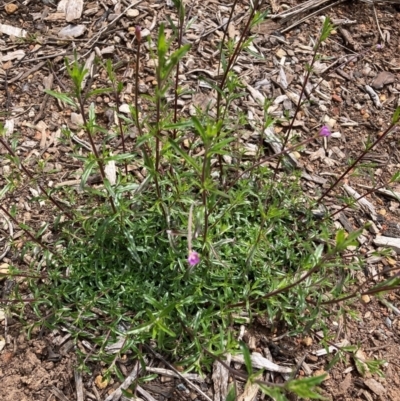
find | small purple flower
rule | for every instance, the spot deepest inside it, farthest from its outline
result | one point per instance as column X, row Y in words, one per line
column 325, row 131
column 379, row 46
column 193, row 258
column 138, row 33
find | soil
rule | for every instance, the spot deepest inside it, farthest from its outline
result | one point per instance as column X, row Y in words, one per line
column 44, row 368
column 31, row 370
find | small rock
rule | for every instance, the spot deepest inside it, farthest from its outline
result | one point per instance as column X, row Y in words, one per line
column 375, row 386
column 132, row 13
column 124, row 108
column 11, row 8
column 181, row 387
column 76, row 119
column 307, row 341
column 366, row 299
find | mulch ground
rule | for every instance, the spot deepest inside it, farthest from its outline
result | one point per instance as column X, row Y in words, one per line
column 356, row 91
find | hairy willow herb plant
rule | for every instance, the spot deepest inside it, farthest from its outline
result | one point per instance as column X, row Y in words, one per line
column 192, row 235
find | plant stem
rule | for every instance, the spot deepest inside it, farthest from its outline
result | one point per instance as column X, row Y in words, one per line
column 299, row 103
column 181, row 20
column 121, row 130
column 94, row 149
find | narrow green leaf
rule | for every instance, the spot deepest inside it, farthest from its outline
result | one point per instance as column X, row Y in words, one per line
column 231, row 394
column 396, row 116
column 86, row 172
column 190, row 160
column 247, row 358
column 63, row 97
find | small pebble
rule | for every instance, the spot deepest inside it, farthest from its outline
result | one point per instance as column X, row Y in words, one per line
column 181, row 387
column 11, row 8
column 366, row 299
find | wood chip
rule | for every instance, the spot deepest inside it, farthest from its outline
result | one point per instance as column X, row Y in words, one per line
column 220, row 378
column 111, row 172
column 259, row 362
column 374, row 96
column 15, row 55
column 250, row 392
column 331, row 348
column 367, row 206
column 393, row 243
column 73, row 10
column 72, row 31
column 276, row 145
column 12, row 31
column 382, row 79
column 79, row 385
column 375, row 386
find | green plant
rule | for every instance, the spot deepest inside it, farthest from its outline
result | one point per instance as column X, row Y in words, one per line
column 204, row 234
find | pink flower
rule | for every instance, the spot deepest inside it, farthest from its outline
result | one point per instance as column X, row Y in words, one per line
column 193, row 258
column 325, row 131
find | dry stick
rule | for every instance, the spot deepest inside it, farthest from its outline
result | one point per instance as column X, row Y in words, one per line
column 367, row 150
column 228, row 67
column 224, row 35
column 299, row 103
column 235, row 53
column 16, row 301
column 27, row 172
column 94, row 149
column 138, row 37
column 377, row 23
